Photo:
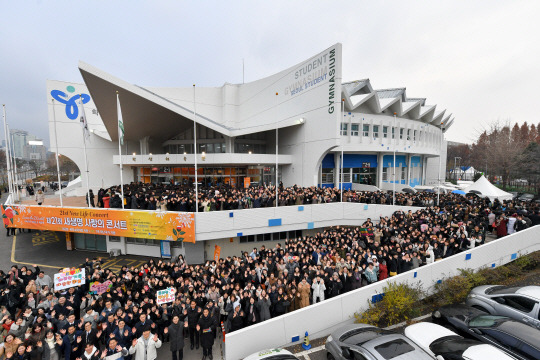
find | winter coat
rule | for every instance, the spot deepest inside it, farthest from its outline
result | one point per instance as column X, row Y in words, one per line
column 207, row 326
column 318, row 290
column 151, row 351
column 176, row 336
column 263, row 305
column 304, row 291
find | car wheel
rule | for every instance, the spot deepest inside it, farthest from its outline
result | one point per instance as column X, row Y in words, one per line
column 480, row 308
column 329, row 356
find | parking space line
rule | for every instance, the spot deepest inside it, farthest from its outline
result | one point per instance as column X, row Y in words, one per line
column 25, row 263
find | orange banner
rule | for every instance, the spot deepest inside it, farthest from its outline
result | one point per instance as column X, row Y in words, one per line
column 247, row 182
column 173, row 226
column 217, row 253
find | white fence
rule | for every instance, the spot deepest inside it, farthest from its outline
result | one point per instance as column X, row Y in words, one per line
column 226, row 224
column 320, row 318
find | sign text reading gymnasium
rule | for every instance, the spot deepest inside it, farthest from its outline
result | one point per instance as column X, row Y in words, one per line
column 331, row 82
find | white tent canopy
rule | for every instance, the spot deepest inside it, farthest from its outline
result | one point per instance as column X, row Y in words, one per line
column 488, row 189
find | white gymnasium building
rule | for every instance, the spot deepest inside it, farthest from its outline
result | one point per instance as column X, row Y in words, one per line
column 237, row 124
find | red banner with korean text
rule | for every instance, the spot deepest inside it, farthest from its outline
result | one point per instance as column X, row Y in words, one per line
column 155, row 225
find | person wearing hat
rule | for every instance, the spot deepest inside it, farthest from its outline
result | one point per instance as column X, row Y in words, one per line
column 371, row 273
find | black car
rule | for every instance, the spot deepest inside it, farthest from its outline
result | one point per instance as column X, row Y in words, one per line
column 514, row 337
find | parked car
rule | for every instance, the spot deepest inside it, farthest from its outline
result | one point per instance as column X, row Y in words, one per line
column 446, row 344
column 526, row 197
column 272, row 354
column 514, row 337
column 366, row 342
column 519, row 303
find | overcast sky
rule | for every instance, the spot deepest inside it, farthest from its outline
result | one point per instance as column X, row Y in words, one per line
column 480, row 60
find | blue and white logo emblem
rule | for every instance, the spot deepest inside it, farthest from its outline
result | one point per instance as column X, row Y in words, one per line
column 72, row 109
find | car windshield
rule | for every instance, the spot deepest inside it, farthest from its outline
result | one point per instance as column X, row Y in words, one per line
column 485, row 321
column 453, row 344
column 394, row 348
column 360, row 336
column 500, row 290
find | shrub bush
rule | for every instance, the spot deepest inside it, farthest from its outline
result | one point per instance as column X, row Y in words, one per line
column 398, row 304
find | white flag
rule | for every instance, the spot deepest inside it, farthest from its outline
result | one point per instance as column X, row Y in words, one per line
column 120, row 122
column 84, row 122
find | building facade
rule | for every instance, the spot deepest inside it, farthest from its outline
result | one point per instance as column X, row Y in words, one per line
column 302, row 119
column 298, row 111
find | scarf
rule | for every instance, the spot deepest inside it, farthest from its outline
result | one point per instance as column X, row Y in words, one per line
column 50, row 342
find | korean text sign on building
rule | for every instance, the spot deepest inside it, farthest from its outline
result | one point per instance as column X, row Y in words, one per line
column 172, row 226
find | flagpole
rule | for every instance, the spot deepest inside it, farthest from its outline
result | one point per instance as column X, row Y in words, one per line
column 15, row 171
column 341, row 140
column 57, row 162
column 8, row 161
column 85, row 129
column 195, row 152
column 120, row 142
column 277, row 166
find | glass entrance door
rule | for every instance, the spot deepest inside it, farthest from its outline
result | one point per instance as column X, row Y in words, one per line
column 90, row 242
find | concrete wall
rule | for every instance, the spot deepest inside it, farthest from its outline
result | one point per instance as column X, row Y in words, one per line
column 230, row 224
column 321, row 318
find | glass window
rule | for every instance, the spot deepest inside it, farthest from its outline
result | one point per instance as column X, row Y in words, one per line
column 502, row 338
column 354, row 129
column 365, row 130
column 393, row 132
column 408, row 134
column 344, row 129
column 283, row 235
column 268, row 237
column 403, row 173
column 385, row 132
column 401, row 134
column 114, row 238
column 519, row 303
column 393, row 349
column 243, row 239
column 251, row 238
column 385, row 174
column 375, row 131
column 414, row 135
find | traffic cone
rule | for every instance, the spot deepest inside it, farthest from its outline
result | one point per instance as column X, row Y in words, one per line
column 306, row 345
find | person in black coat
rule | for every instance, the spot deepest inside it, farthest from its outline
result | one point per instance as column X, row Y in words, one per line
column 193, row 313
column 176, row 337
column 206, row 326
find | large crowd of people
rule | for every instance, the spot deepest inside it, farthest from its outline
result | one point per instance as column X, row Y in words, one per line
column 39, row 323
column 169, row 197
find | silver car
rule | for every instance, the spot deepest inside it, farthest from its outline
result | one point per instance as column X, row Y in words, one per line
column 366, row 342
column 519, row 303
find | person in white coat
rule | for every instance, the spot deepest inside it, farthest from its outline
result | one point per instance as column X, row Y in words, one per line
column 145, row 347
column 318, row 289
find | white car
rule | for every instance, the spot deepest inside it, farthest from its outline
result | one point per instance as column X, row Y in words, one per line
column 272, row 354
column 442, row 343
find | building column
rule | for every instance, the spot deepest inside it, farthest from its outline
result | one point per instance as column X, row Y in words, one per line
column 144, row 145
column 424, row 162
column 337, row 168
column 409, row 164
column 380, row 166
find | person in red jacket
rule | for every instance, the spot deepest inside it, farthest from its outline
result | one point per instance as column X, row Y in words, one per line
column 500, row 226
column 383, row 270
